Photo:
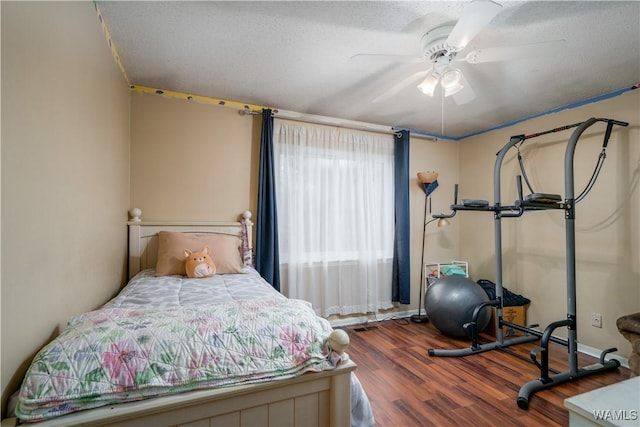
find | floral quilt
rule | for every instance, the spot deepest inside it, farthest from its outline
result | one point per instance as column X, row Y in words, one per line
column 114, row 355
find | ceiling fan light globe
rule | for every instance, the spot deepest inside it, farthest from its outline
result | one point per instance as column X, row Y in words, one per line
column 451, row 78
column 428, row 85
column 427, row 89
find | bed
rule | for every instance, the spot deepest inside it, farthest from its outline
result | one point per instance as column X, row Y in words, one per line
column 295, row 378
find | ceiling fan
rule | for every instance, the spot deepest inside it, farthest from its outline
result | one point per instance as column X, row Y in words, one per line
column 441, row 46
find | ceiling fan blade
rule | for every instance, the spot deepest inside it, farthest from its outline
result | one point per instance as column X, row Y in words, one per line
column 401, row 85
column 429, row 20
column 474, row 18
column 466, row 95
column 533, row 50
column 385, row 58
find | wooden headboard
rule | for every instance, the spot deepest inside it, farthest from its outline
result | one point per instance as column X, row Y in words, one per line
column 143, row 237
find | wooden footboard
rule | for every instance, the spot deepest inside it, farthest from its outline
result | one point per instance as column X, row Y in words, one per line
column 314, row 399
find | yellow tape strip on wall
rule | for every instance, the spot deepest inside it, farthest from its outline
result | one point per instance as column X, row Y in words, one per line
column 198, row 98
column 250, row 108
column 112, row 46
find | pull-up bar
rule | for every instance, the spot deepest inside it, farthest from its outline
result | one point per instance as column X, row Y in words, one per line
column 519, row 139
column 545, row 132
column 610, row 122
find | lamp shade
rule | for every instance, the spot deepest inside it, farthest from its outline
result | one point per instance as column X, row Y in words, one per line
column 427, row 177
column 443, row 222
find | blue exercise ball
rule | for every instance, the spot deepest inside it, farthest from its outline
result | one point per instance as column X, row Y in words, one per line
column 450, row 301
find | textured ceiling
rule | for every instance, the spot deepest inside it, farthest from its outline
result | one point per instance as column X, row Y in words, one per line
column 296, row 56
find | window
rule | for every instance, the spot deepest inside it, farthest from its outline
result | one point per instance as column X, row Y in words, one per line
column 335, row 203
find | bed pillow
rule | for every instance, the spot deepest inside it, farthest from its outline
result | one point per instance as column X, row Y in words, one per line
column 226, row 252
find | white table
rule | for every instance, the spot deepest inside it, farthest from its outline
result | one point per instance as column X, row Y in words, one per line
column 614, row 405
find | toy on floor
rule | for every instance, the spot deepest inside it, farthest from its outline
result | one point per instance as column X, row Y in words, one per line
column 337, row 343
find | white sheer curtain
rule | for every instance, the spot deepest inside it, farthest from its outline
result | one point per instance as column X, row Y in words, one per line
column 335, row 199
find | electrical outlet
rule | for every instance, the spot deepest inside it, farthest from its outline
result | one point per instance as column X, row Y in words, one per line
column 596, row 320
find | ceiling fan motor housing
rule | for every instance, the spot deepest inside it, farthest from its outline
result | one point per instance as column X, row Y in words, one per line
column 434, row 43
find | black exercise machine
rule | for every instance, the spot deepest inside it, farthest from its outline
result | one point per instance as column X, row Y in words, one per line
column 536, row 201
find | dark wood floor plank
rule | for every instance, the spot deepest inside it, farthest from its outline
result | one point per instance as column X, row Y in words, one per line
column 407, row 387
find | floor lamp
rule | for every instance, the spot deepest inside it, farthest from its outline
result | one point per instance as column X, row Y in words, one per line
column 428, row 182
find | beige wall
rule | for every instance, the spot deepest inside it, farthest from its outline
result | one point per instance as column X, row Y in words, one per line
column 607, row 221
column 65, row 174
column 192, row 161
column 441, row 244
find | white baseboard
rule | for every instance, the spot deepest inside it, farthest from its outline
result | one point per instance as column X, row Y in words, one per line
column 372, row 317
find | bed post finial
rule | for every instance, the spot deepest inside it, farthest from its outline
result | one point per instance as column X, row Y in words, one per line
column 247, row 238
column 136, row 213
column 247, row 217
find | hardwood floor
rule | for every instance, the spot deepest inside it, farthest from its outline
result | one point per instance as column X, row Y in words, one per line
column 407, row 387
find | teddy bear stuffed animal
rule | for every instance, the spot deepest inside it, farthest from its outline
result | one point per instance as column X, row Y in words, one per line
column 199, row 264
